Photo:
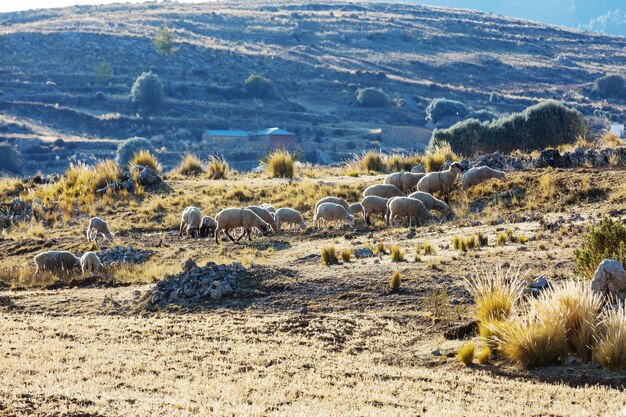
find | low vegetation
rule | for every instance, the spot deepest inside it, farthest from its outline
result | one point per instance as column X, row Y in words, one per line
column 395, row 282
column 329, row 255
column 466, row 353
column 147, row 159
column 191, row 165
column 280, row 164
column 218, row 168
column 607, row 240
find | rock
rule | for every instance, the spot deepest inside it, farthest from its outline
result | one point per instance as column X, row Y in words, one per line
column 540, row 283
column 216, row 294
column 188, row 264
column 609, row 279
column 549, row 158
column 363, row 253
column 418, row 168
column 303, row 310
column 148, row 176
column 436, row 352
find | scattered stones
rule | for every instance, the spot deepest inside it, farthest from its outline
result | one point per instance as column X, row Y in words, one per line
column 124, row 254
column 539, row 284
column 363, row 253
column 188, row 265
column 610, row 279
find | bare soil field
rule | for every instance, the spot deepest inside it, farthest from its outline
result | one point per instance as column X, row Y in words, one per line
column 301, row 338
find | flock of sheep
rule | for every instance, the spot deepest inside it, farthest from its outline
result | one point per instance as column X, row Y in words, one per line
column 389, row 199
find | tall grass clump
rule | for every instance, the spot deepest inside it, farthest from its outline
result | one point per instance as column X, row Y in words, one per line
column 607, row 240
column 146, row 158
column 280, row 164
column 435, row 158
column 610, row 344
column 495, row 292
column 190, row 165
column 346, row 254
column 372, row 161
column 466, row 353
column 329, row 255
column 401, row 163
column 394, row 284
column 218, row 168
column 396, row 253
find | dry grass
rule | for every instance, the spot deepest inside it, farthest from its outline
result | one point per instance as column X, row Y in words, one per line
column 610, row 343
column 396, row 280
column 402, row 163
column 372, row 161
column 218, row 168
column 466, row 353
column 145, row 158
column 483, row 354
column 495, row 292
column 191, row 165
column 396, row 253
column 280, row 164
column 346, row 254
column 428, row 248
column 435, row 159
column 329, row 255
column 501, row 239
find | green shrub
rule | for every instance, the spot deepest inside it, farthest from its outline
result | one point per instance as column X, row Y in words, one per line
column 103, row 72
column 441, row 107
column 372, row 97
column 10, row 159
column 127, row 150
column 164, row 41
column 482, row 115
column 609, row 86
column 258, row 86
column 147, row 92
column 604, row 241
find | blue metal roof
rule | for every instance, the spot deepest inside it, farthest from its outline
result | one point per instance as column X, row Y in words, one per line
column 273, row 131
column 232, row 133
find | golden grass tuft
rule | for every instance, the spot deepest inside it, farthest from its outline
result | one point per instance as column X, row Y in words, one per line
column 346, row 254
column 397, row 254
column 466, row 353
column 379, row 249
column 191, row 165
column 428, row 248
column 372, row 161
column 218, row 168
column 402, row 163
column 610, row 343
column 395, row 282
column 435, row 159
column 501, row 239
column 482, row 356
column 145, row 158
column 280, row 164
column 329, row 255
column 611, row 140
column 495, row 292
column 548, row 186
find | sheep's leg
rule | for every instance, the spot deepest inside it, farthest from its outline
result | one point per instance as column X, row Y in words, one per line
column 217, row 235
column 229, row 235
column 180, row 229
column 249, row 235
column 367, row 220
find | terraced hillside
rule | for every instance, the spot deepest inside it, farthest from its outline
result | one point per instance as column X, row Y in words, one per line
column 315, row 53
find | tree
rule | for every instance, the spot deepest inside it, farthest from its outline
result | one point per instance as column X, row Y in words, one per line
column 103, row 71
column 259, row 86
column 147, row 91
column 372, row 97
column 10, row 159
column 127, row 149
column 164, row 41
column 441, row 107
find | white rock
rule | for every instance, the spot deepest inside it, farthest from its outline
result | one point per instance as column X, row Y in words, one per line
column 610, row 279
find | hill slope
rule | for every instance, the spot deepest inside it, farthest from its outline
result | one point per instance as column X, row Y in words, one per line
column 312, row 52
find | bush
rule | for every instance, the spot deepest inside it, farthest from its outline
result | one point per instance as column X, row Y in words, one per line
column 164, row 41
column 10, row 159
column 190, row 165
column 127, row 149
column 372, row 161
column 372, row 97
column 610, row 346
column 259, row 86
column 329, row 256
column 280, row 164
column 548, row 124
column 482, row 115
column 396, row 279
column 147, row 91
column 218, row 168
column 147, row 159
column 466, row 353
column 103, row 72
column 441, row 107
column 609, row 86
column 604, row 241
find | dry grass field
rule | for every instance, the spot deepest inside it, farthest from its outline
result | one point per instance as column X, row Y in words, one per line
column 306, row 339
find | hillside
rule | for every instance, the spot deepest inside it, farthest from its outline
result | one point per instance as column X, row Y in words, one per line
column 316, row 54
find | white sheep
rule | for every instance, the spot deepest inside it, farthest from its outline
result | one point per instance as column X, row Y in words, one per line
column 90, row 262
column 207, row 226
column 373, row 204
column 265, row 215
column 56, row 262
column 383, row 190
column 268, row 207
column 289, row 216
column 441, row 181
column 331, row 212
column 232, row 218
column 96, row 227
column 191, row 219
column 404, row 181
column 408, row 208
column 335, row 200
column 480, row 175
column 355, row 209
column 431, row 202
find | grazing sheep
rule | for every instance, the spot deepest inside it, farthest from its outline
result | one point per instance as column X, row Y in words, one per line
column 207, row 226
column 383, row 190
column 90, row 262
column 409, row 208
column 290, row 217
column 335, row 200
column 332, row 212
column 431, row 202
column 355, row 209
column 479, row 175
column 56, row 262
column 265, row 215
column 96, row 227
column 441, row 181
column 269, row 208
column 404, row 181
column 374, row 205
column 191, row 218
column 232, row 218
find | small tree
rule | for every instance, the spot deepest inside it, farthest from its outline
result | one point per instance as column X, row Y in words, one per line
column 441, row 107
column 372, row 97
column 609, row 86
column 259, row 86
column 129, row 148
column 103, row 71
column 10, row 159
column 147, row 91
column 164, row 41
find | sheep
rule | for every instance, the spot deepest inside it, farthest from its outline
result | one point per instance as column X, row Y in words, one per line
column 207, row 226
column 431, row 202
column 191, row 218
column 56, row 262
column 404, row 181
column 96, row 227
column 479, row 175
column 355, row 209
column 269, row 208
column 231, row 218
column 410, row 208
column 383, row 190
column 288, row 216
column 441, row 181
column 332, row 212
column 335, row 200
column 372, row 205
column 265, row 215
column 90, row 262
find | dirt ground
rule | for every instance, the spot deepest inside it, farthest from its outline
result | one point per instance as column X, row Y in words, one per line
column 310, row 339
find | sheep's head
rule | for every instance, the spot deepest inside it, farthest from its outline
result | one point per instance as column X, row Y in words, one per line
column 303, row 225
column 501, row 175
column 193, row 231
column 456, row 167
column 265, row 228
column 350, row 219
